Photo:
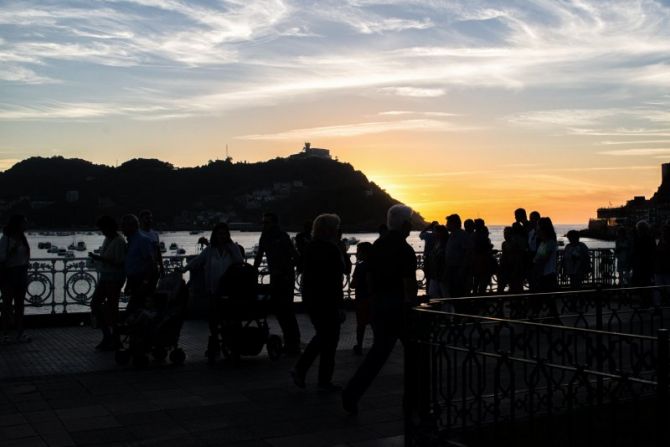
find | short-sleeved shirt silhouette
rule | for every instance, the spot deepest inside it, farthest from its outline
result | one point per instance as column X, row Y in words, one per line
column 391, row 261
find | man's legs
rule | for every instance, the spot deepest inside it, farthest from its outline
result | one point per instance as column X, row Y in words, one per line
column 282, row 297
column 330, row 336
column 384, row 341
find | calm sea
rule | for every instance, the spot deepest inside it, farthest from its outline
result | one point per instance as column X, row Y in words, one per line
column 189, row 242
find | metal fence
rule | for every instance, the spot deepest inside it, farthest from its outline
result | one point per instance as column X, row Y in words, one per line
column 62, row 285
column 578, row 368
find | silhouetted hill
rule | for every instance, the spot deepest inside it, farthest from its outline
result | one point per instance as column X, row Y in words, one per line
column 60, row 192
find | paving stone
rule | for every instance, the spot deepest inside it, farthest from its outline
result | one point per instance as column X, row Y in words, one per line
column 48, row 426
column 149, row 417
column 24, row 442
column 387, row 428
column 393, row 441
column 172, row 441
column 11, row 419
column 58, row 439
column 39, row 416
column 226, row 436
column 17, row 431
column 82, row 412
column 91, row 423
column 93, row 437
column 325, row 438
column 156, row 431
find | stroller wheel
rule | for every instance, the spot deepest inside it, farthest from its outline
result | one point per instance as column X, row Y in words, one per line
column 177, row 356
column 122, row 357
column 140, row 361
column 159, row 354
column 274, row 347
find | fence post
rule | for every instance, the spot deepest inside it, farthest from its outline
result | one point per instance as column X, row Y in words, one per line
column 410, row 365
column 598, row 301
column 599, row 343
column 663, row 381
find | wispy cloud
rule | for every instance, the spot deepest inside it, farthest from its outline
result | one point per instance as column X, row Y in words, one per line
column 416, row 112
column 357, row 129
column 628, row 141
column 636, row 152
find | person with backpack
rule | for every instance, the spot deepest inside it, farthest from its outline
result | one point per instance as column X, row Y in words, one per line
column 14, row 263
column 282, row 257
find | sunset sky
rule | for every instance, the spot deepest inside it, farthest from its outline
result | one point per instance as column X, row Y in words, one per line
column 475, row 107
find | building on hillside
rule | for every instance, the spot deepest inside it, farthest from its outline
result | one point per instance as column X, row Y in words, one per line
column 655, row 210
column 313, row 152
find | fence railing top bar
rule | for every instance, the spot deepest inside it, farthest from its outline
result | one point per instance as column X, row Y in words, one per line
column 533, row 324
column 511, row 296
column 551, row 365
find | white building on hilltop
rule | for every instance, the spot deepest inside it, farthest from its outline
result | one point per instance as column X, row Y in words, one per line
column 316, row 152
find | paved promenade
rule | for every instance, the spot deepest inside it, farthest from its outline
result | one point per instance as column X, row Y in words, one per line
column 58, row 391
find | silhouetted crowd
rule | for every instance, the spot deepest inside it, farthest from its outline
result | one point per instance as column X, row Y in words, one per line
column 459, row 260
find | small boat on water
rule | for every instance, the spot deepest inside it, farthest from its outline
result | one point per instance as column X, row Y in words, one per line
column 181, row 251
column 174, row 246
column 161, row 246
column 351, row 241
column 79, row 246
column 62, row 252
column 53, row 249
column 69, row 255
column 44, row 245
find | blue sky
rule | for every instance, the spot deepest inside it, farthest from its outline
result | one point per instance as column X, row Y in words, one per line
column 441, row 102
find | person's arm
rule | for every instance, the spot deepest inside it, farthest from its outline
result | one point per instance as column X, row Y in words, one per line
column 197, row 261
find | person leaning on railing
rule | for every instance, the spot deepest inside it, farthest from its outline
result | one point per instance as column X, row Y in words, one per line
column 14, row 263
column 111, row 276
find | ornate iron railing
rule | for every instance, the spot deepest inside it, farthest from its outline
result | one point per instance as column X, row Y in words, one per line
column 481, row 380
column 640, row 310
column 64, row 285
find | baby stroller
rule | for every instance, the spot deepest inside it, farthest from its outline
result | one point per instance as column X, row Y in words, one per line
column 239, row 324
column 155, row 328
